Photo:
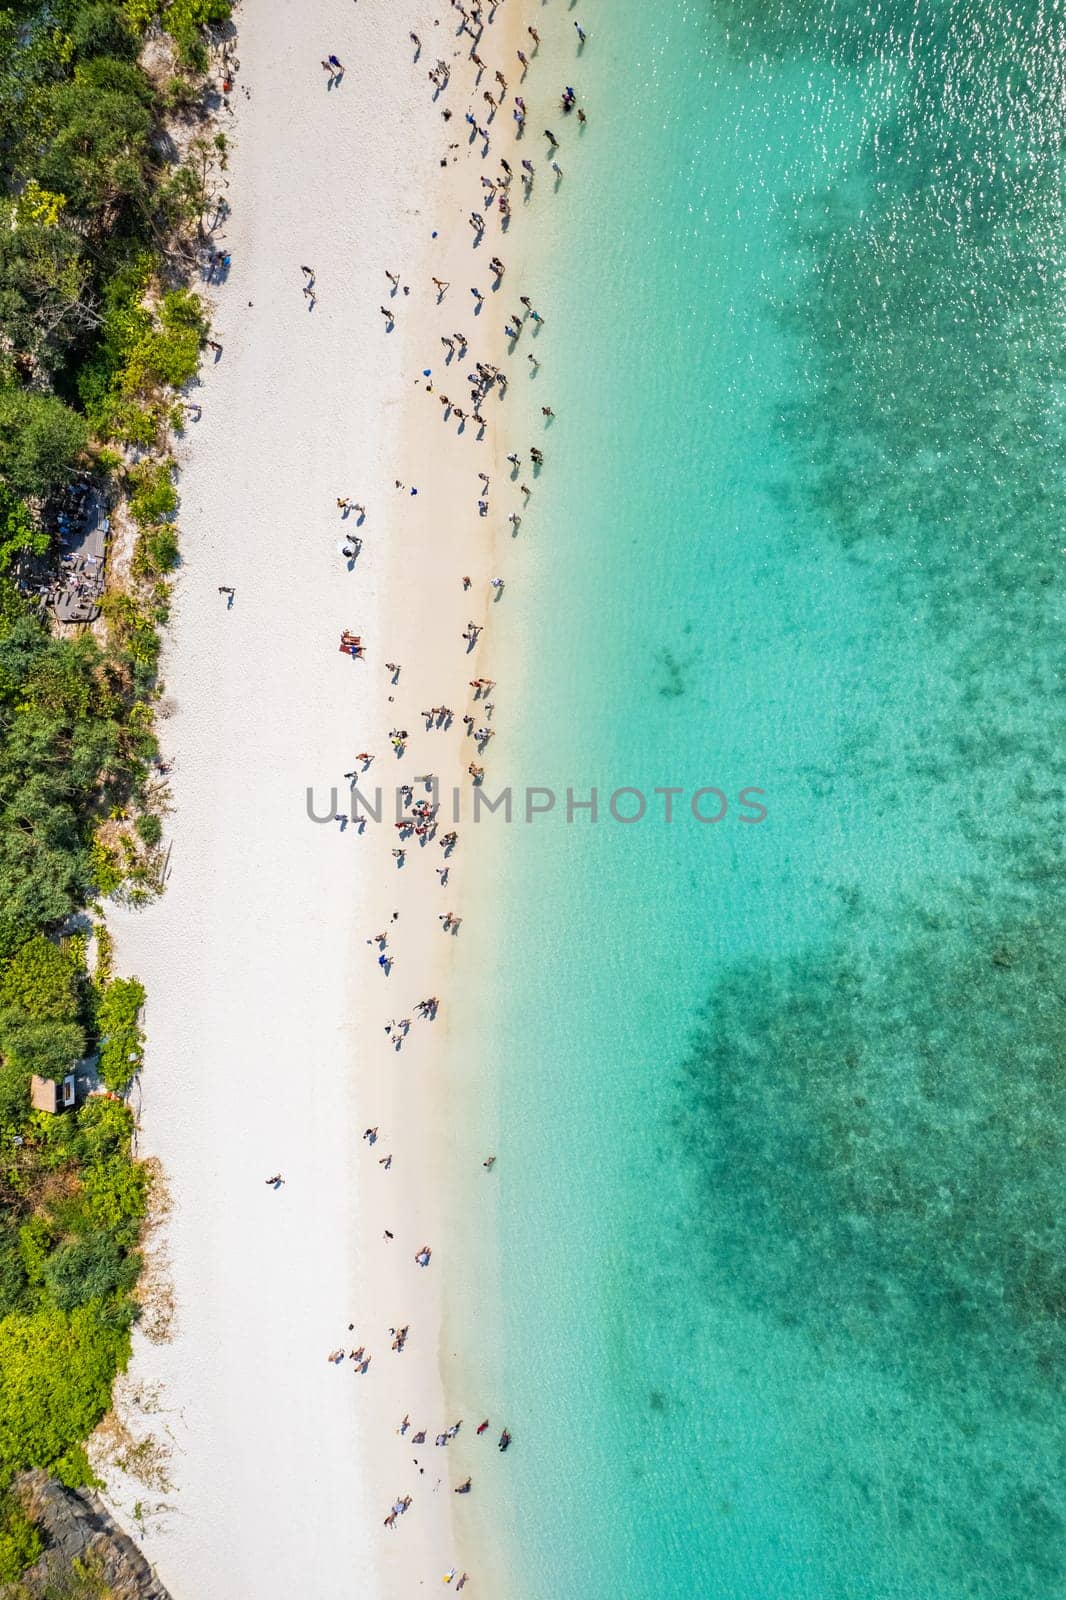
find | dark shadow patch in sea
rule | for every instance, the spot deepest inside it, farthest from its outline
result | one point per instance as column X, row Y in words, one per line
column 876, row 1166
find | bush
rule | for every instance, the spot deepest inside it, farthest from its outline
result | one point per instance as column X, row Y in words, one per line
column 102, row 30
column 20, row 1543
column 175, row 352
column 37, row 1239
column 92, row 1268
column 41, row 980
column 56, row 1372
column 98, row 152
column 121, row 1039
column 104, row 1130
column 13, row 1281
column 139, row 353
column 157, row 552
column 185, row 21
column 18, row 530
column 133, row 632
column 40, row 441
column 49, row 1049
column 14, row 1099
column 107, row 872
column 74, row 1470
column 116, row 1197
column 153, row 497
column 150, row 828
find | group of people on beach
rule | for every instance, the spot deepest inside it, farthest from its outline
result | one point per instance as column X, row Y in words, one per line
column 487, row 381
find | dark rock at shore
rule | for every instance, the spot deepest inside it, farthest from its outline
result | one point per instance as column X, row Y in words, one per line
column 76, row 1527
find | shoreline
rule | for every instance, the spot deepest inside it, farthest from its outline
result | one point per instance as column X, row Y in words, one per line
column 295, row 717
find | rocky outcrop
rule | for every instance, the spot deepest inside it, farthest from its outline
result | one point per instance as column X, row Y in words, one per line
column 76, row 1527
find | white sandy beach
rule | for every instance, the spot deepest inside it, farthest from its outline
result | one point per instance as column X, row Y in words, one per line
column 267, row 1048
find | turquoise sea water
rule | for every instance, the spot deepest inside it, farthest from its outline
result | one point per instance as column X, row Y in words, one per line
column 779, row 1170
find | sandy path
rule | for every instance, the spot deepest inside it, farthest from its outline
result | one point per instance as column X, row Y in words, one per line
column 266, row 1042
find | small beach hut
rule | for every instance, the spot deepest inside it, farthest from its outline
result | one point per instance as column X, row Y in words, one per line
column 47, row 1095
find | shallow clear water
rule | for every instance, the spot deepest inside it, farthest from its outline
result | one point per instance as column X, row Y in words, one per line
column 779, row 1173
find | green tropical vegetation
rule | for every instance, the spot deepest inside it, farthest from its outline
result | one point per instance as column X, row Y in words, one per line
column 106, row 189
